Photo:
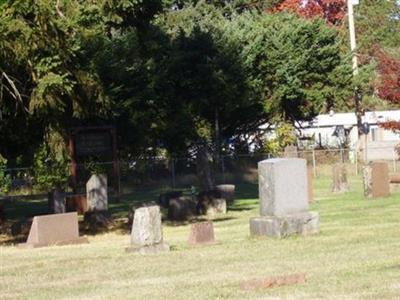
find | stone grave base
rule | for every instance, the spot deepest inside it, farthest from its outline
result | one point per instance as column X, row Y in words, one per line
column 162, row 247
column 80, row 240
column 304, row 223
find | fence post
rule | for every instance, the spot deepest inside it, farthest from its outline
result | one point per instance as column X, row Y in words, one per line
column 314, row 163
column 173, row 172
column 223, row 169
column 394, row 161
column 356, row 160
column 341, row 156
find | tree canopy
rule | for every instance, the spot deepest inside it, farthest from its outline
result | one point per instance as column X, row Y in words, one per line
column 172, row 75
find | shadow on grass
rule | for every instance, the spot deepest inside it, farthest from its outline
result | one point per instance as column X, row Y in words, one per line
column 21, row 209
column 240, row 208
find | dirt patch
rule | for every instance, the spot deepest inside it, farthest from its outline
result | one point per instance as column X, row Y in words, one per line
column 274, row 281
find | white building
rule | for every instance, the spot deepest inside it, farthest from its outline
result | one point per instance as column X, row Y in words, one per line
column 330, row 130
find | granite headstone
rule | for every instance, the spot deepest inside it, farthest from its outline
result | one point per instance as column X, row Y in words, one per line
column 284, row 199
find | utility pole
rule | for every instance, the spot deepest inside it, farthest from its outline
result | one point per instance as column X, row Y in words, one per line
column 352, row 30
column 357, row 95
column 353, row 46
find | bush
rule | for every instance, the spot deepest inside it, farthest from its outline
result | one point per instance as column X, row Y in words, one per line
column 5, row 179
column 50, row 171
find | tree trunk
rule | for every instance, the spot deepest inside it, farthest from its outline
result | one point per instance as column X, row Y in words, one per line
column 204, row 172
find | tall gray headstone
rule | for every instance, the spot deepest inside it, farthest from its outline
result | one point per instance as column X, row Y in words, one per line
column 146, row 234
column 96, row 193
column 283, row 192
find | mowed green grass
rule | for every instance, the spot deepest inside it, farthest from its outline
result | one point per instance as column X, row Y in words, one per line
column 356, row 256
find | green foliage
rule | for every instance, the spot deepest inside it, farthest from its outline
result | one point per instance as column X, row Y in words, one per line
column 377, row 22
column 51, row 168
column 5, row 179
column 292, row 64
column 285, row 135
column 169, row 74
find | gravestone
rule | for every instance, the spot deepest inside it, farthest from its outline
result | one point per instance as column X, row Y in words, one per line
column 290, row 152
column 376, row 180
column 310, row 187
column 181, row 208
column 284, row 199
column 49, row 230
column 96, row 193
column 211, row 203
column 227, row 192
column 216, row 207
column 339, row 179
column 146, row 234
column 201, row 234
column 59, row 202
column 163, row 199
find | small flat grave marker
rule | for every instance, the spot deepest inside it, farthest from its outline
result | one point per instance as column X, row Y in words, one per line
column 202, row 234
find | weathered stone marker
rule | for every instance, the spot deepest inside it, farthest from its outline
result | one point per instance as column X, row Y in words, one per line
column 146, row 235
column 59, row 202
column 218, row 206
column 211, row 203
column 339, row 179
column 227, row 192
column 201, row 234
column 58, row 229
column 290, row 152
column 181, row 208
column 283, row 199
column 376, row 180
column 96, row 193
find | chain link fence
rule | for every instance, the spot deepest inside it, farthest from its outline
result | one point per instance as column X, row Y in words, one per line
column 156, row 173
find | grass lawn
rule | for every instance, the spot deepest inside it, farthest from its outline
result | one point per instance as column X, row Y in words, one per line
column 356, row 256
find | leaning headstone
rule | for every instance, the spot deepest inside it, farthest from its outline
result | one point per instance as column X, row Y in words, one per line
column 376, row 180
column 227, row 192
column 201, row 234
column 339, row 178
column 283, row 199
column 146, row 235
column 96, row 193
column 49, row 230
column 290, row 152
column 181, row 209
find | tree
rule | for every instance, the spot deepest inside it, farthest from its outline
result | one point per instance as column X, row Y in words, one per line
column 389, row 83
column 294, row 65
column 333, row 11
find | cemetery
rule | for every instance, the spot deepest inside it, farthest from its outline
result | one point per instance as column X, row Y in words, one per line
column 199, row 149
column 340, row 243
